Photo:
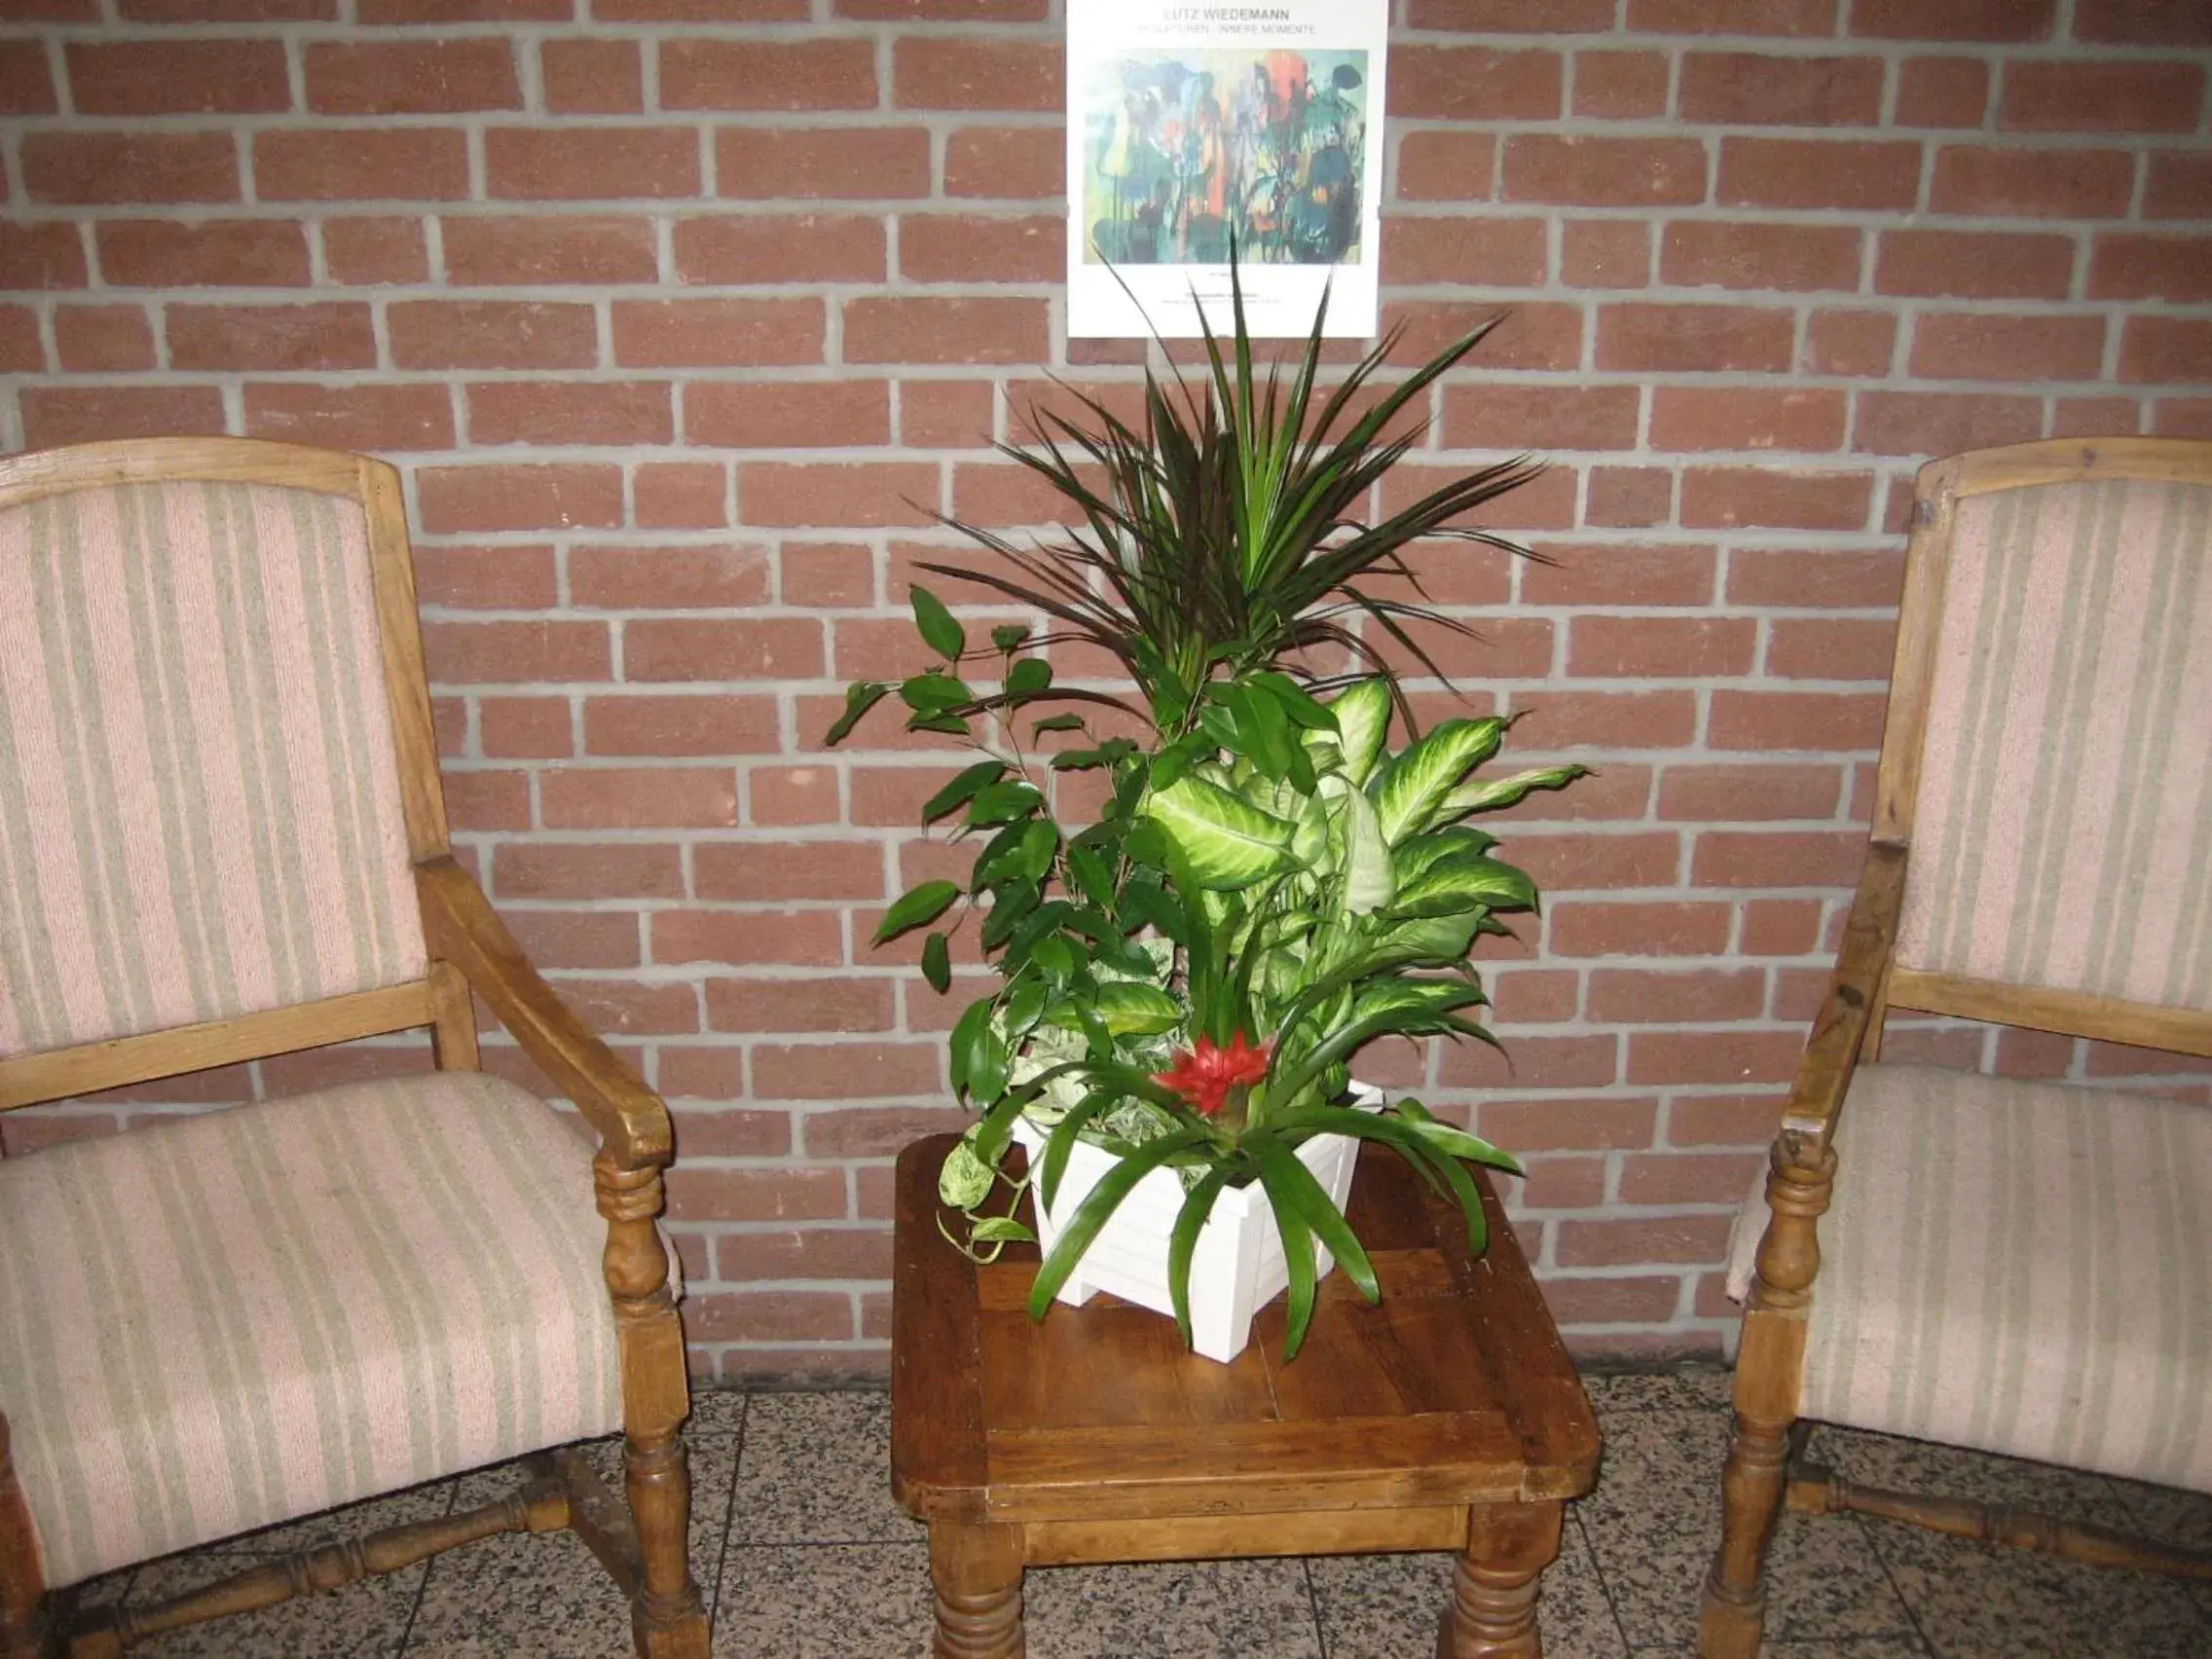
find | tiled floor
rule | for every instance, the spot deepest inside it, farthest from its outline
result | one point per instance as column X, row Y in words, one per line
column 796, row 1539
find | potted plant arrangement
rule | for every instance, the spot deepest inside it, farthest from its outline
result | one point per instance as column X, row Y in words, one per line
column 1269, row 884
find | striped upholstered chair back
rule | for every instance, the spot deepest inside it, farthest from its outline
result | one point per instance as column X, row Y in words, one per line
column 2064, row 782
column 199, row 807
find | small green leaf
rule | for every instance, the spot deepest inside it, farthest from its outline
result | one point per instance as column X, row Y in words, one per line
column 1003, row 802
column 961, row 1049
column 965, row 1180
column 860, row 697
column 938, row 631
column 1028, row 677
column 936, row 963
column 1001, row 1229
column 950, row 724
column 1011, row 902
column 1009, row 637
column 1056, row 722
column 1296, row 702
column 934, row 694
column 961, row 788
column 1038, row 842
column 916, row 906
column 1092, row 880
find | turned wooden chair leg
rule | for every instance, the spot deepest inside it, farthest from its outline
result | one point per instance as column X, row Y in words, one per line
column 669, row 1618
column 23, row 1629
column 978, row 1574
column 1769, row 1371
column 1492, row 1614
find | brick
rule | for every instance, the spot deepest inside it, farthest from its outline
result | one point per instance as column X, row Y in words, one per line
column 225, row 253
column 1543, row 417
column 628, row 870
column 1474, row 83
column 717, row 333
column 1638, row 996
column 516, row 653
column 1954, row 20
column 489, row 579
column 2169, row 349
column 2181, row 418
column 1785, row 858
column 1568, row 862
column 481, row 801
column 401, row 164
column 758, row 1195
column 375, row 250
column 1702, row 418
column 1661, row 646
column 471, row 499
column 1976, row 345
column 1018, row 163
column 1796, row 720
column 2152, row 268
column 491, row 334
column 945, row 414
column 27, row 84
column 571, row 412
column 1629, row 720
column 1694, row 338
column 1818, row 173
column 796, row 247
column 1764, row 792
column 897, row 331
column 1719, row 497
column 1939, row 422
column 2080, row 95
column 948, row 247
column 1446, row 165
column 819, row 73
column 591, row 77
column 411, row 77
column 846, row 1070
column 178, row 77
column 2094, row 417
column 1531, row 336
column 686, row 648
column 669, row 579
column 827, row 574
column 1576, row 1304
column 718, row 1134
column 370, row 418
column 1943, row 91
column 767, row 414
column 1739, row 89
column 1620, row 86
column 1733, row 17
column 47, row 255
column 1629, row 496
column 1720, row 253
column 679, row 495
column 1589, row 928
column 102, row 339
column 1512, row 16
column 2014, row 183
column 769, row 1316
column 97, row 168
column 657, row 726
column 22, row 351
column 792, row 795
column 1830, row 649
column 590, row 163
column 965, row 72
column 2140, row 22
column 950, row 11
column 1797, row 577
column 1718, row 1056
column 800, row 938
column 1604, row 253
column 758, row 870
column 1979, row 265
column 2180, row 185
column 1608, row 573
column 1533, row 1063
column 1687, row 1178
column 1603, row 172
column 71, row 415
column 270, row 337
column 701, row 11
column 854, row 494
column 1694, row 1238
column 502, row 250
column 1850, row 342
column 804, row 1253
column 637, row 797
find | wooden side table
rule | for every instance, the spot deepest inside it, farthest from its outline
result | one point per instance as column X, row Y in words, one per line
column 1447, row 1418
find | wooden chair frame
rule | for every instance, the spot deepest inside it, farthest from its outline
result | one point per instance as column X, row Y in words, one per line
column 643, row 1544
column 1765, row 1463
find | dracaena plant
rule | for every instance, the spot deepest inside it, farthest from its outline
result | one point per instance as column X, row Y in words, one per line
column 1269, row 885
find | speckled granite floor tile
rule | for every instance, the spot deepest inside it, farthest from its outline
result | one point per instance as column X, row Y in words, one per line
column 1384, row 1607
column 545, row 1596
column 1655, row 1517
column 425, row 1502
column 361, row 1621
column 816, row 1469
column 713, row 1461
column 1199, row 1610
column 826, row 1601
column 1700, row 1388
column 716, row 1411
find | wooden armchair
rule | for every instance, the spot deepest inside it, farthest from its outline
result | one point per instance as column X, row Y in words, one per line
column 222, row 837
column 2009, row 1265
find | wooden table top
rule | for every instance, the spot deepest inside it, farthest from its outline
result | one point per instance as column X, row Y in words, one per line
column 1456, row 1389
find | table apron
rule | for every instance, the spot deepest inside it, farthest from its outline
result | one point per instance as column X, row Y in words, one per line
column 1286, row 1533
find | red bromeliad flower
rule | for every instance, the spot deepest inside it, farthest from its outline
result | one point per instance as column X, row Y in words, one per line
column 1204, row 1075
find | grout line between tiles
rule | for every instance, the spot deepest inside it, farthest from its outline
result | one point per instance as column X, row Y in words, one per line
column 729, row 1508
column 1598, row 1570
column 1313, row 1601
column 1911, row 1615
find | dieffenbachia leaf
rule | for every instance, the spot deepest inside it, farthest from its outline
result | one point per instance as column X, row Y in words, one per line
column 1369, row 882
column 1410, row 788
column 1362, row 711
column 1506, row 791
column 1127, row 1008
column 914, row 906
column 1224, row 841
column 1461, row 884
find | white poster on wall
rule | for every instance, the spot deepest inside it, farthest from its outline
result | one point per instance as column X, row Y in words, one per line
column 1196, row 128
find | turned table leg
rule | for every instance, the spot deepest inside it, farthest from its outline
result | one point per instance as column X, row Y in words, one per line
column 1492, row 1614
column 977, row 1573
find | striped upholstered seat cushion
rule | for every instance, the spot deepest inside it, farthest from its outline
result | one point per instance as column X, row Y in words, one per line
column 199, row 800
column 238, row 1318
column 2016, row 1267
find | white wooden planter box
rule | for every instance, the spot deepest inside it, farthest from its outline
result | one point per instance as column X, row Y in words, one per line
column 1238, row 1268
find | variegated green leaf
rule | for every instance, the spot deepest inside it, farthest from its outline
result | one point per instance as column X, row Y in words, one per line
column 1368, row 883
column 1416, row 855
column 1226, row 841
column 1363, row 722
column 1461, row 884
column 965, row 1180
column 1410, row 788
column 1473, row 796
column 1128, row 1007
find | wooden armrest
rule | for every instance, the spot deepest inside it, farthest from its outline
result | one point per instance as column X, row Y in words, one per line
column 1831, row 1053
column 461, row 928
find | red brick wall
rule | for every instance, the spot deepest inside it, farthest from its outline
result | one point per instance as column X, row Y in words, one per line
column 681, row 318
